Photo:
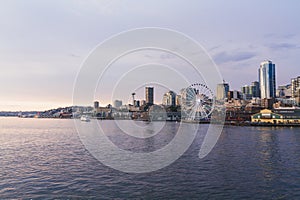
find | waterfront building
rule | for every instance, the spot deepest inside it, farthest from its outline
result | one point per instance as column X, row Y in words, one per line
column 222, row 91
column 104, row 112
column 157, row 113
column 267, row 116
column 149, row 93
column 295, row 83
column 277, row 116
column 169, row 99
column 267, row 80
column 117, row 103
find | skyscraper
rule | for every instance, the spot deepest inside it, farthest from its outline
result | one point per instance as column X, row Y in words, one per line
column 149, row 95
column 169, row 99
column 247, row 92
column 222, row 91
column 96, row 104
column 255, row 89
column 295, row 84
column 267, row 80
column 250, row 91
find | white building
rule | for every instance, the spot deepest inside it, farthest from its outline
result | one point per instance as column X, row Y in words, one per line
column 222, row 91
column 169, row 99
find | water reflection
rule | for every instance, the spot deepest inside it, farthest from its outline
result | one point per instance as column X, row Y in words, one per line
column 270, row 158
column 41, row 158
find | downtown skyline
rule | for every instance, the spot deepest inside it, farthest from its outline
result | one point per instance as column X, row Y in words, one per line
column 41, row 53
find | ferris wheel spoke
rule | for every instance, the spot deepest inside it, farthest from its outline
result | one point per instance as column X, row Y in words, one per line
column 207, row 111
column 192, row 115
column 203, row 113
column 197, row 101
column 190, row 95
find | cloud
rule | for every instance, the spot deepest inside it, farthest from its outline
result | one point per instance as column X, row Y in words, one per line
column 214, row 48
column 282, row 46
column 279, row 36
column 224, row 57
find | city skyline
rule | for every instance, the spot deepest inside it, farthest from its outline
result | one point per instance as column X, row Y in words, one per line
column 41, row 53
column 222, row 91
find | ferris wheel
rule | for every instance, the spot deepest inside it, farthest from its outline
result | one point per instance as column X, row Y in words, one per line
column 197, row 102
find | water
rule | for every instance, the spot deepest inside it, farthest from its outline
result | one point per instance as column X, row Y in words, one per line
column 44, row 159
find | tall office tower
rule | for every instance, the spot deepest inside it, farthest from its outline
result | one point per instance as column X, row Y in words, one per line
column 246, row 89
column 169, row 99
column 295, row 85
column 149, row 95
column 136, row 103
column 255, row 89
column 222, row 91
column 267, row 80
column 247, row 92
column 96, row 104
column 178, row 100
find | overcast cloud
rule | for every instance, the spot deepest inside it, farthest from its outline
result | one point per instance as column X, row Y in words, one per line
column 43, row 43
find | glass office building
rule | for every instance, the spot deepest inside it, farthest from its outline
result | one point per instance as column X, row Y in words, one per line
column 149, row 95
column 267, row 80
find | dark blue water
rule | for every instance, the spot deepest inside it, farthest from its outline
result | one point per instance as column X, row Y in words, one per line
column 44, row 159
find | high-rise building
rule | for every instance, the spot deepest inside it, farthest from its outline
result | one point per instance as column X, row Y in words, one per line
column 178, row 100
column 117, row 103
column 222, row 91
column 236, row 94
column 284, row 91
column 255, row 89
column 149, row 95
column 295, row 84
column 247, row 91
column 96, row 104
column 267, row 80
column 169, row 99
column 136, row 103
column 297, row 96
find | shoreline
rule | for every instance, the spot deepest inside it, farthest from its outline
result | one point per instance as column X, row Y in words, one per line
column 226, row 123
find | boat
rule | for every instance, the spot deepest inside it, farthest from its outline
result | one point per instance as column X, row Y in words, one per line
column 85, row 118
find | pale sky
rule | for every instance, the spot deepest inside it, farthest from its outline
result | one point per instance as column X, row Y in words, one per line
column 43, row 43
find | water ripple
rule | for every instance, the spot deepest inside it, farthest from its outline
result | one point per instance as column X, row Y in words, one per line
column 44, row 159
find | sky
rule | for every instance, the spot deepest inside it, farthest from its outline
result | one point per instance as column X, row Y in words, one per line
column 44, row 43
